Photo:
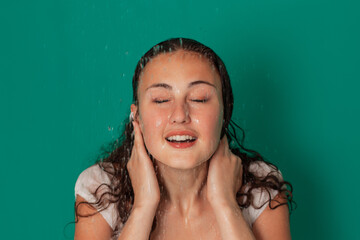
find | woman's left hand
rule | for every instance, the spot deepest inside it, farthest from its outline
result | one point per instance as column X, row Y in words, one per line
column 224, row 176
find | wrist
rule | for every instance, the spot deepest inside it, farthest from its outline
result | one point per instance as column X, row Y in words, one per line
column 147, row 206
column 233, row 224
column 227, row 203
column 143, row 213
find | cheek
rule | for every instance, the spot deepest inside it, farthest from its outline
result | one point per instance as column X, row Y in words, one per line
column 158, row 122
column 209, row 121
column 152, row 120
column 152, row 124
column 214, row 134
column 209, row 124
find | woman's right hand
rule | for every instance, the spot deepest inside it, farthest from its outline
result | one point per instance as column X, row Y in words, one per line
column 142, row 174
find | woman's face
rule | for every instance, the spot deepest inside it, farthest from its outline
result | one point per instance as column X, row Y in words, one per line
column 180, row 109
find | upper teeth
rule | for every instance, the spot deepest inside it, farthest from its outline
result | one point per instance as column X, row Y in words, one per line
column 180, row 138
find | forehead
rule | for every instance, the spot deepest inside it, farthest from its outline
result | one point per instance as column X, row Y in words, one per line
column 179, row 67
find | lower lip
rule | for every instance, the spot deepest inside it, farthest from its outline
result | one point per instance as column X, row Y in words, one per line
column 181, row 144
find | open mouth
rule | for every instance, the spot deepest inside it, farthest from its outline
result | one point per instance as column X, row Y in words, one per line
column 181, row 139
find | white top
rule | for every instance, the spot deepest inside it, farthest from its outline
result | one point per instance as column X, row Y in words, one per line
column 92, row 177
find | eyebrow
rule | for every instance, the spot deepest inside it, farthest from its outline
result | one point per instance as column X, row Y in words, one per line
column 168, row 87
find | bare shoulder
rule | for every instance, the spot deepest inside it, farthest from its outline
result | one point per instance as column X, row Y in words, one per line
column 90, row 228
column 273, row 223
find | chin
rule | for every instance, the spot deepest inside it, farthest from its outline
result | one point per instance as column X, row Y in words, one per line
column 182, row 158
column 181, row 163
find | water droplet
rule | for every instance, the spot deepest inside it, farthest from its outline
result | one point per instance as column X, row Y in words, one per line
column 158, row 122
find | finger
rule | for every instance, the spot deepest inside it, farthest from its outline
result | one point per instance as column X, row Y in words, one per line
column 220, row 150
column 225, row 144
column 138, row 139
column 137, row 135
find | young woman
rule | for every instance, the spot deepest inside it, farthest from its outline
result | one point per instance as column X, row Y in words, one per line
column 173, row 175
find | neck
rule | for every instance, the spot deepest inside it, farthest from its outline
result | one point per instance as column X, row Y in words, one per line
column 183, row 190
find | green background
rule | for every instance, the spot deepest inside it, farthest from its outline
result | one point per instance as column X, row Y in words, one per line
column 66, row 69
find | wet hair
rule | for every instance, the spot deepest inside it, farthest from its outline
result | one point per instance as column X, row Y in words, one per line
column 116, row 155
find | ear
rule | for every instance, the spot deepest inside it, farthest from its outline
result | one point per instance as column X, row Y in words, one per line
column 134, row 109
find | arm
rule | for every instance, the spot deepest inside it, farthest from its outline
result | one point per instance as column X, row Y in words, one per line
column 146, row 191
column 90, row 228
column 273, row 223
column 224, row 180
column 138, row 226
column 232, row 223
column 147, row 196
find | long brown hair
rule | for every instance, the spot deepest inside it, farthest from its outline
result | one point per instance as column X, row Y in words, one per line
column 117, row 154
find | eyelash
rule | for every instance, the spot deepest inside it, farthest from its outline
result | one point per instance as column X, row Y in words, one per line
column 193, row 100
column 200, row 100
column 160, row 101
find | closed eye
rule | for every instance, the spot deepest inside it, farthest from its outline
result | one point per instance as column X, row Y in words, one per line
column 161, row 101
column 199, row 100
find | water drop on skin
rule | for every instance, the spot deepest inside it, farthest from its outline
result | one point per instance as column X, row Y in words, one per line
column 158, row 123
column 187, row 113
column 177, row 90
column 195, row 106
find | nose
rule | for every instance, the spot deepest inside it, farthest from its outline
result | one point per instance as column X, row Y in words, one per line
column 180, row 114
